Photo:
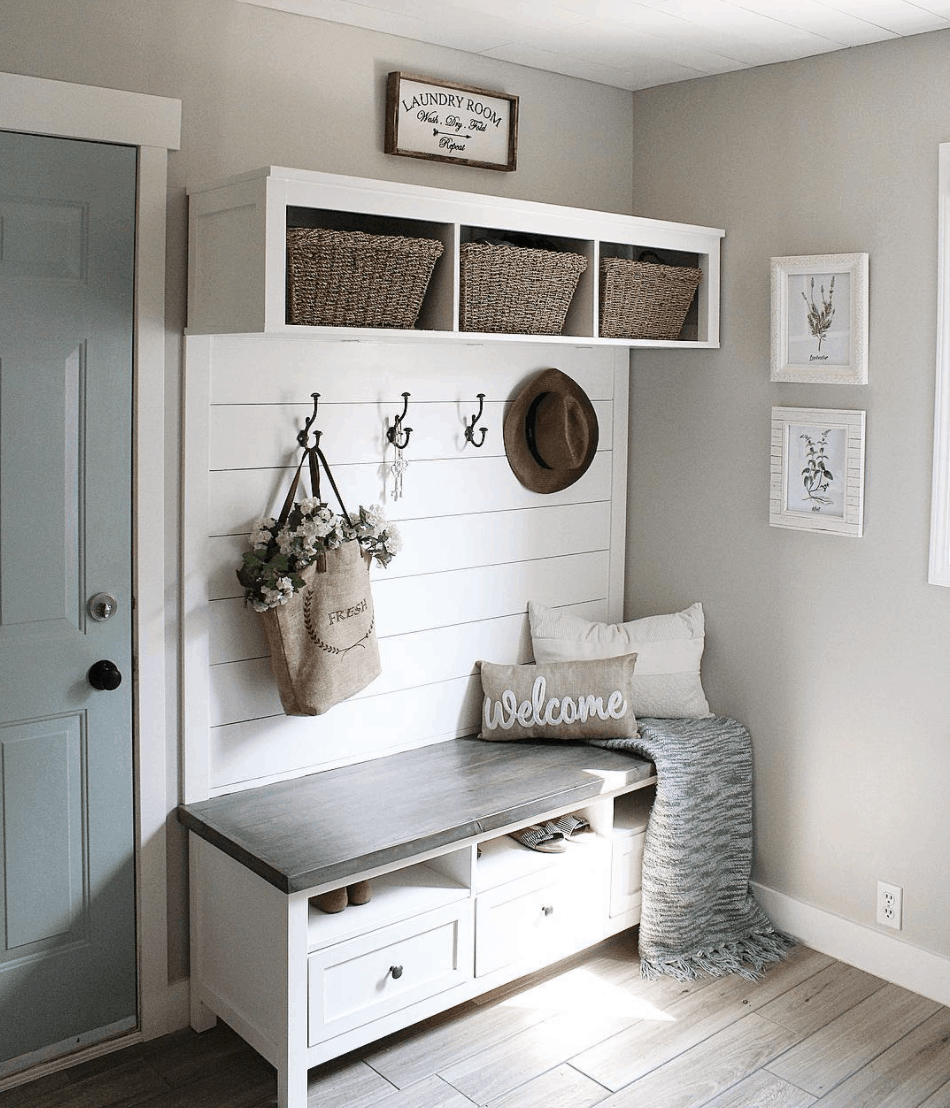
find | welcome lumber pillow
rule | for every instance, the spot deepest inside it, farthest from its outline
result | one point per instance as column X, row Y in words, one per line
column 560, row 700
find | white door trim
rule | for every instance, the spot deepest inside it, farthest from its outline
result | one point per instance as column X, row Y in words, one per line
column 153, row 124
column 940, row 500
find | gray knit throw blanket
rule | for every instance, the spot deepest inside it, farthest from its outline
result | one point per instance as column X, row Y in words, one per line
column 698, row 916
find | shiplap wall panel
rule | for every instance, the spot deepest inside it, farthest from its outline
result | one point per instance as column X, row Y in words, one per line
column 258, row 436
column 263, row 750
column 442, row 543
column 478, row 545
column 377, row 373
column 412, row 604
column 456, row 486
column 245, row 689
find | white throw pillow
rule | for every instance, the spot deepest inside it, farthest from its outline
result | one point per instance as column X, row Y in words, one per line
column 669, row 650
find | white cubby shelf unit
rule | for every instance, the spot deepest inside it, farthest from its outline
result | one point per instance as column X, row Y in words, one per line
column 238, row 270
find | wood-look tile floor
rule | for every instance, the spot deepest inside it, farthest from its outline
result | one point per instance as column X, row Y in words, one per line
column 590, row 1032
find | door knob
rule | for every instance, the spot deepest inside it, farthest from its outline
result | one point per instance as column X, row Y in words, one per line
column 104, row 675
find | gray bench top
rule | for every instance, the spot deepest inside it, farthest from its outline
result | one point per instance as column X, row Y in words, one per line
column 328, row 826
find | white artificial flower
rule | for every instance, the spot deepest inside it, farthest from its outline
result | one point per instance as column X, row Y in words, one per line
column 375, row 517
column 286, row 540
column 393, row 539
column 320, row 529
column 261, row 535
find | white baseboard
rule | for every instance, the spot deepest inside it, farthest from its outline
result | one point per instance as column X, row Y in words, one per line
column 886, row 956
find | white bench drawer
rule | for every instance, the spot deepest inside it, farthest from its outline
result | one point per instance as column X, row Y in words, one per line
column 366, row 978
column 537, row 920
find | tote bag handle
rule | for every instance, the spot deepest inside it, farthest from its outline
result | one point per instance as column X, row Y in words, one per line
column 315, row 457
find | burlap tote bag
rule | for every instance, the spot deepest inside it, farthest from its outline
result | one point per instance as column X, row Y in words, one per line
column 322, row 642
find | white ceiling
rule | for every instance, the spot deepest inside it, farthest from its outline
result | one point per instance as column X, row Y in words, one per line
column 635, row 44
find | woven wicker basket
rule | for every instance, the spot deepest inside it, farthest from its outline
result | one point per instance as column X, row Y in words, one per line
column 351, row 279
column 517, row 290
column 643, row 300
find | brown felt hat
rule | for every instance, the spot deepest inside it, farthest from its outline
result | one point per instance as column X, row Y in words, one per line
column 550, row 432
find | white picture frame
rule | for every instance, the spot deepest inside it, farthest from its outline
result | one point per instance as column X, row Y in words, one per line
column 817, row 470
column 939, row 565
column 820, row 319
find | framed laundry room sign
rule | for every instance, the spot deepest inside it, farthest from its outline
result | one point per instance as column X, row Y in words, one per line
column 447, row 122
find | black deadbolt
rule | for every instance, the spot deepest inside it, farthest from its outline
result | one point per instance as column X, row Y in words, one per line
column 104, row 676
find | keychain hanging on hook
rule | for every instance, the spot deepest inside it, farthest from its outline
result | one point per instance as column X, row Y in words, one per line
column 398, row 435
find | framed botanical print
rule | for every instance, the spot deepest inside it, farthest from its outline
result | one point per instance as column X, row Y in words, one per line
column 817, row 470
column 820, row 318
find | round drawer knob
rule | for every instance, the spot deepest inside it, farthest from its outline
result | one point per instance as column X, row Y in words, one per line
column 547, row 910
column 396, row 972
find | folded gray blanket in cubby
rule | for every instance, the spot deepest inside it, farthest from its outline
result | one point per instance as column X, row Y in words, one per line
column 698, row 915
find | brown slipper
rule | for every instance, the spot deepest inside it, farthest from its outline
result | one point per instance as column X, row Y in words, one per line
column 360, row 892
column 333, row 901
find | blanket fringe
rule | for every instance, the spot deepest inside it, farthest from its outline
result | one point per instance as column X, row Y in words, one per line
column 749, row 958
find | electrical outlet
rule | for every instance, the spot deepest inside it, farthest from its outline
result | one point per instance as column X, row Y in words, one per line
column 890, row 904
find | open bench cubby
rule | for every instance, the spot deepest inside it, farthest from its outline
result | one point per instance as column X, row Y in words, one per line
column 458, row 907
column 238, row 256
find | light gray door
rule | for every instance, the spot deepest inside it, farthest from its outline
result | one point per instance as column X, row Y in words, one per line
column 67, row 897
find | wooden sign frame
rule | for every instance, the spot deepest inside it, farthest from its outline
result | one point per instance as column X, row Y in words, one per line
column 443, row 121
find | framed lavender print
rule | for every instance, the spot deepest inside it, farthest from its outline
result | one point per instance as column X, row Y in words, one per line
column 820, row 319
column 817, row 470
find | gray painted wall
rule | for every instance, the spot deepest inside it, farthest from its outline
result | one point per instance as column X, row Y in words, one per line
column 835, row 651
column 263, row 87
column 260, row 87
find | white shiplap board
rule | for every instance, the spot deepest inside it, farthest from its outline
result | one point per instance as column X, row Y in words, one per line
column 259, row 436
column 245, row 689
column 441, row 543
column 478, row 545
column 410, row 605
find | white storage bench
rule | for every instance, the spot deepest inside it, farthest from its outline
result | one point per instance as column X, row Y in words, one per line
column 457, row 909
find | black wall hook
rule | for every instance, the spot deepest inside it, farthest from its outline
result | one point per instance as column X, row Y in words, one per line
column 470, row 428
column 397, row 434
column 303, row 434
